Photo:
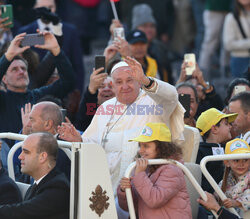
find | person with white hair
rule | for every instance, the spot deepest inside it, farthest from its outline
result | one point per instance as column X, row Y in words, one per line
column 139, row 99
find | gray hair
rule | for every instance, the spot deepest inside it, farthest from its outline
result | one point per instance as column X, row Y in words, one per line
column 51, row 111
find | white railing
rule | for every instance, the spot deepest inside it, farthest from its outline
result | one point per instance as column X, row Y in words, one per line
column 83, row 179
column 159, row 162
column 65, row 146
column 11, row 153
column 210, row 178
column 21, row 137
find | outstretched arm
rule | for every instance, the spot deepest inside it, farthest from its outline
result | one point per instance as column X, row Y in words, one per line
column 13, row 50
column 43, row 71
column 65, row 84
column 88, row 103
column 68, row 132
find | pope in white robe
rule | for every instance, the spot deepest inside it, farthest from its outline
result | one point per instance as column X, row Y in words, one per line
column 138, row 100
column 127, row 121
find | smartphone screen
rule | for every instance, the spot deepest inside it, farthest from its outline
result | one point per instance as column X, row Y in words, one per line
column 119, row 32
column 189, row 58
column 185, row 102
column 33, row 39
column 238, row 89
column 7, row 11
column 64, row 114
column 100, row 62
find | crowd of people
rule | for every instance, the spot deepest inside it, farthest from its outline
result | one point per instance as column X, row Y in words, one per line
column 132, row 106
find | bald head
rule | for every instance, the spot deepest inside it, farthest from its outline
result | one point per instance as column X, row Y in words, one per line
column 45, row 117
column 50, row 110
column 39, row 153
column 47, row 143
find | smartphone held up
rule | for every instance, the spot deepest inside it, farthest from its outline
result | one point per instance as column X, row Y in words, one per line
column 6, row 11
column 100, row 63
column 64, row 114
column 189, row 58
column 119, row 32
column 185, row 102
column 32, row 39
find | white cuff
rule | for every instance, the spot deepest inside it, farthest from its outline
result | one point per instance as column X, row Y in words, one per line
column 57, row 29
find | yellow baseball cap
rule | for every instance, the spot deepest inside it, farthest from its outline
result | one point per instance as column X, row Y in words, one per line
column 237, row 146
column 211, row 117
column 154, row 131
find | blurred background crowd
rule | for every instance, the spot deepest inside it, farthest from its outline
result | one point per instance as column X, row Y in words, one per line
column 181, row 26
column 158, row 34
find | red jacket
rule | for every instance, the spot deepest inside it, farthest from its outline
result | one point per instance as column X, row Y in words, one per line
column 88, row 3
column 163, row 195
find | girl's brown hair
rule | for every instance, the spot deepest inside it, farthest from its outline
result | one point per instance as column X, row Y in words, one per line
column 224, row 180
column 166, row 150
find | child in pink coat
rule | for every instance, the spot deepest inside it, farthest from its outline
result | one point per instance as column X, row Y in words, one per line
column 159, row 191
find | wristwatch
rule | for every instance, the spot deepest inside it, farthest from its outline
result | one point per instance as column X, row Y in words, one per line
column 208, row 87
column 151, row 81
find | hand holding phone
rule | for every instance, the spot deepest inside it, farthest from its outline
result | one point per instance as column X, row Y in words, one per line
column 7, row 12
column 33, row 39
column 189, row 58
column 119, row 32
column 100, row 62
column 64, row 114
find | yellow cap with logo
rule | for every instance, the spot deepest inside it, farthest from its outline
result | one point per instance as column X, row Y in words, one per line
column 211, row 117
column 153, row 132
column 237, row 146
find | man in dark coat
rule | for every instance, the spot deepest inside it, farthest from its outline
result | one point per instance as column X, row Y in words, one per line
column 48, row 197
column 14, row 74
column 9, row 192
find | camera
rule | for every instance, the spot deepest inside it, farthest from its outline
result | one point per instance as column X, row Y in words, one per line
column 46, row 15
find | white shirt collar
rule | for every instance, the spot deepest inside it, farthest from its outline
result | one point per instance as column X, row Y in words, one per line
column 39, row 180
column 42, row 25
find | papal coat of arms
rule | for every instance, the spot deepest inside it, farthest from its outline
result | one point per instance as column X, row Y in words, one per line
column 99, row 201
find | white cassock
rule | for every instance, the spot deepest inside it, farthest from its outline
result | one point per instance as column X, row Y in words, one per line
column 112, row 130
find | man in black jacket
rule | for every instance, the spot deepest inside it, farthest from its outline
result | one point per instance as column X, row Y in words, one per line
column 13, row 72
column 44, row 117
column 48, row 197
